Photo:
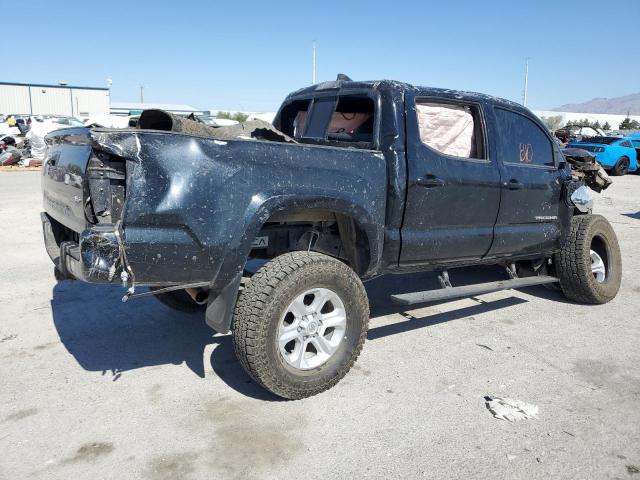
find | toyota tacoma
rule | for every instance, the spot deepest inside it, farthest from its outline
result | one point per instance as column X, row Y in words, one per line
column 270, row 230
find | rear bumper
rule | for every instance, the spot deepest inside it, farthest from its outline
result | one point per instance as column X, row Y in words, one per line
column 92, row 257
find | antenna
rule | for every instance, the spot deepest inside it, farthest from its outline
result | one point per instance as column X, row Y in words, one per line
column 313, row 76
column 526, row 80
column 141, row 93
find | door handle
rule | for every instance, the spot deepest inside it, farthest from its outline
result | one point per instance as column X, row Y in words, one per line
column 429, row 181
column 514, row 184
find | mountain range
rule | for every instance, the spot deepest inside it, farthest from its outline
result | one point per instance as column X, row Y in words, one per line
column 628, row 104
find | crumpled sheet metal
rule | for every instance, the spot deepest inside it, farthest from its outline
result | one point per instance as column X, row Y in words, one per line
column 197, row 202
column 586, row 168
column 258, row 129
column 511, row 409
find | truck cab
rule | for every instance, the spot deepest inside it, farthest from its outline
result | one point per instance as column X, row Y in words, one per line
column 470, row 178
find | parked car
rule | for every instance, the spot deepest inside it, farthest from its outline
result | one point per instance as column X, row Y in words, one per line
column 353, row 180
column 616, row 155
column 41, row 126
column 635, row 141
column 215, row 121
column 576, row 132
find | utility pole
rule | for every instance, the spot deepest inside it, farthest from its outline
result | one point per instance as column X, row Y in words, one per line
column 526, row 80
column 313, row 76
column 141, row 93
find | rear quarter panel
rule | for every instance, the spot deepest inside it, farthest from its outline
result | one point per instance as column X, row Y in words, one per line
column 194, row 204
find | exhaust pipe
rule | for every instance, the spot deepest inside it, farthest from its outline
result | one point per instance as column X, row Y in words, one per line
column 199, row 295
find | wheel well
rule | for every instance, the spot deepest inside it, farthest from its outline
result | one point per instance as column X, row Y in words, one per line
column 325, row 231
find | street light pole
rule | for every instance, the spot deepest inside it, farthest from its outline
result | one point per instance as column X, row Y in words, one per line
column 526, row 80
column 141, row 94
column 313, row 76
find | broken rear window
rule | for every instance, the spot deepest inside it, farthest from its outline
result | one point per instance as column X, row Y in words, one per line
column 347, row 120
column 352, row 120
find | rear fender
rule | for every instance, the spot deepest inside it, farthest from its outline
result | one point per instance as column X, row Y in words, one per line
column 225, row 288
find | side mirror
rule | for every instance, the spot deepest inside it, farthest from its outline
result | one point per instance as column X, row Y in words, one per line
column 562, row 163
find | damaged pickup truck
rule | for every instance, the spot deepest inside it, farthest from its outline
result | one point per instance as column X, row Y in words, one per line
column 271, row 229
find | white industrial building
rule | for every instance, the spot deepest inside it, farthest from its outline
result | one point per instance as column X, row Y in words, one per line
column 126, row 108
column 612, row 119
column 37, row 99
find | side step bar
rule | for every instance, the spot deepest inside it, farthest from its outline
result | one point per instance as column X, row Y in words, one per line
column 469, row 290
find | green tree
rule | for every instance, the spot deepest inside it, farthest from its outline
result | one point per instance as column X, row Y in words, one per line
column 237, row 116
column 553, row 122
column 596, row 124
column 628, row 124
column 606, row 126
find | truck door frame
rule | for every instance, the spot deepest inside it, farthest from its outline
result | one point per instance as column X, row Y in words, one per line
column 452, row 202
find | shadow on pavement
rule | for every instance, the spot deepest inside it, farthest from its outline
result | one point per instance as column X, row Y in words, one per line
column 105, row 335
column 632, row 215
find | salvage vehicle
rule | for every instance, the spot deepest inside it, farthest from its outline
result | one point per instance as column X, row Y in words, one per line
column 353, row 180
column 617, row 155
column 577, row 132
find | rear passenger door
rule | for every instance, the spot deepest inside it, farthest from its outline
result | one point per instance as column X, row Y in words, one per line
column 453, row 190
column 531, row 185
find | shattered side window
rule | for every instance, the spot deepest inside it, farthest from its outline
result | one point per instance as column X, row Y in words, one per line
column 294, row 117
column 299, row 123
column 450, row 129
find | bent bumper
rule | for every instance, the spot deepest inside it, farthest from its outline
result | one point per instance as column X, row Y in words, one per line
column 91, row 257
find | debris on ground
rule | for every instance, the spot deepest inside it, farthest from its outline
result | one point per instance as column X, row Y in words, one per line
column 511, row 409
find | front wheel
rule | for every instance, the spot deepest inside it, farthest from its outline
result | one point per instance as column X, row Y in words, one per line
column 621, row 167
column 590, row 265
column 300, row 324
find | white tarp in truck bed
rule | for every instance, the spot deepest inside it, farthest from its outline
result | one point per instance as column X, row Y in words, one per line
column 446, row 128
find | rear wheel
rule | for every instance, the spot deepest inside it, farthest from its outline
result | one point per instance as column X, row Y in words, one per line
column 621, row 167
column 589, row 265
column 300, row 324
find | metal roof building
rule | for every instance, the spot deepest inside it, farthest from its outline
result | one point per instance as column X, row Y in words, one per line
column 40, row 99
column 123, row 108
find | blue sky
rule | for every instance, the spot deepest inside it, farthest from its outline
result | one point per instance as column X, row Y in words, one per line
column 248, row 55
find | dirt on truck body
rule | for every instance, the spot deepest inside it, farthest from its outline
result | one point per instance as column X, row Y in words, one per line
column 352, row 180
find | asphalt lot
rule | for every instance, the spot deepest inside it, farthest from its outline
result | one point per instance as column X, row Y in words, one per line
column 93, row 388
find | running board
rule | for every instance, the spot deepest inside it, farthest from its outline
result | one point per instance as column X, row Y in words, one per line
column 469, row 290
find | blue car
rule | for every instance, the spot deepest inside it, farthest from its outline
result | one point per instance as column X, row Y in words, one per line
column 615, row 154
column 635, row 141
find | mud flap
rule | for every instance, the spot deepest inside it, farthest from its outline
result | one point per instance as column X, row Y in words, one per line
column 220, row 307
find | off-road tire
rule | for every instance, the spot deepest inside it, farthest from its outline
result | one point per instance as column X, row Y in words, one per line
column 179, row 300
column 621, row 167
column 573, row 262
column 261, row 305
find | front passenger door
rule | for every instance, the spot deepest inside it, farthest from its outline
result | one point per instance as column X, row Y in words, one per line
column 531, row 186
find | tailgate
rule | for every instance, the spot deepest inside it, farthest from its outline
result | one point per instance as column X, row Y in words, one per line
column 81, row 186
column 63, row 173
